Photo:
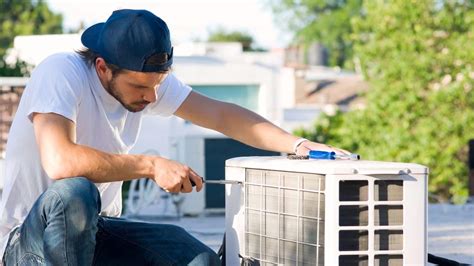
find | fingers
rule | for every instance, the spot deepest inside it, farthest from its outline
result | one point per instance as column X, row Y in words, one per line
column 186, row 186
column 180, row 178
column 191, row 179
column 306, row 146
column 197, row 179
column 175, row 177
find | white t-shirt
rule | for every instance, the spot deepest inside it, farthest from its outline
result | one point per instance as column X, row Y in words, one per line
column 64, row 84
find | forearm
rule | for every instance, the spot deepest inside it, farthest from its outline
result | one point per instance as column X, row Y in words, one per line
column 254, row 130
column 78, row 160
column 61, row 157
column 242, row 125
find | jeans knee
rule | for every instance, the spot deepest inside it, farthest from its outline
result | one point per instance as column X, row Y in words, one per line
column 209, row 258
column 176, row 230
column 206, row 257
column 76, row 189
column 202, row 254
column 77, row 197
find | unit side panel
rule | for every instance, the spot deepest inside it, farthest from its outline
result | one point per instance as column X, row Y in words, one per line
column 332, row 212
column 234, row 215
column 415, row 225
column 375, row 219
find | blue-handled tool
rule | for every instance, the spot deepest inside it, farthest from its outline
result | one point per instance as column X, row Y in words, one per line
column 330, row 155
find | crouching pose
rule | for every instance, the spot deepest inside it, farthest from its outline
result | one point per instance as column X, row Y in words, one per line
column 66, row 154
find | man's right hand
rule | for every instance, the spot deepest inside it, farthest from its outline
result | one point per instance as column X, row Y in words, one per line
column 175, row 177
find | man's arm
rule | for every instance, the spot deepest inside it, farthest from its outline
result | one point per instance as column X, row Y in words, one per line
column 61, row 158
column 242, row 125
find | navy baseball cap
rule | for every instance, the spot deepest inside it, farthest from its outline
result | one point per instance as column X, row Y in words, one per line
column 128, row 38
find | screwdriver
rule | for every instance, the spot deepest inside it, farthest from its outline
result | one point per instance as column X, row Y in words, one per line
column 330, row 155
column 222, row 182
column 219, row 182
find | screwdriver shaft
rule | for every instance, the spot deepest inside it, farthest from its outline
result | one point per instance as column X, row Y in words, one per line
column 223, row 182
column 219, row 182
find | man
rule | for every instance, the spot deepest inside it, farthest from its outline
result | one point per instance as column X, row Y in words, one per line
column 67, row 150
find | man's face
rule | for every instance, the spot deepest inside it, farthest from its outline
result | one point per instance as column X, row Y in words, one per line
column 134, row 90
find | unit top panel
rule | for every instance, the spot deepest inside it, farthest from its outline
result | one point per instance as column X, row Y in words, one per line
column 281, row 163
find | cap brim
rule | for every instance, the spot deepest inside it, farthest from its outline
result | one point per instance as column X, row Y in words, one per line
column 91, row 35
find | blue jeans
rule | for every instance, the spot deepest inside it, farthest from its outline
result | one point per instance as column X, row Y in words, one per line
column 64, row 228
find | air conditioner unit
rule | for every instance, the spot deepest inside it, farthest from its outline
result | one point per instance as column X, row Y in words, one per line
column 322, row 212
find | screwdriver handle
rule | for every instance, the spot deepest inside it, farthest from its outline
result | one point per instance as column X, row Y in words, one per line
column 322, row 155
column 330, row 155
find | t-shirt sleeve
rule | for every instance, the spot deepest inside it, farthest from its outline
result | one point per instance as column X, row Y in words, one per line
column 55, row 87
column 170, row 95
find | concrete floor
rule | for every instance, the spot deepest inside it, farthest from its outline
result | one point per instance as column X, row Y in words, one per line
column 451, row 231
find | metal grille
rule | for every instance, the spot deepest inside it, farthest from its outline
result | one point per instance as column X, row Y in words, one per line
column 361, row 235
column 284, row 217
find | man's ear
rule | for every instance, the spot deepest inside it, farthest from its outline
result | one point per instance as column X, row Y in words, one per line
column 102, row 70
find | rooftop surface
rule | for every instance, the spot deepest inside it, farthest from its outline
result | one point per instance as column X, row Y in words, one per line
column 450, row 230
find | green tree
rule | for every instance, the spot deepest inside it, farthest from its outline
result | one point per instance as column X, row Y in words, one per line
column 23, row 17
column 418, row 57
column 222, row 35
column 324, row 21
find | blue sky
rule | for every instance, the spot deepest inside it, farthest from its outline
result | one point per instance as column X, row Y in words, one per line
column 187, row 19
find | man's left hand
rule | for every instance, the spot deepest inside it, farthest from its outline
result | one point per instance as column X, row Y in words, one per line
column 306, row 146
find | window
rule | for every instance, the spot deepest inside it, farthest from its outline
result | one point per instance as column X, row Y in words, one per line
column 243, row 95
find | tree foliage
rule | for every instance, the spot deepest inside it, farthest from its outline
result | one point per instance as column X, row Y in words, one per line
column 223, row 35
column 419, row 59
column 23, row 17
column 324, row 21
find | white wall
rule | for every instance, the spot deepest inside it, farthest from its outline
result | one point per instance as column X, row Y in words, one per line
column 34, row 48
column 222, row 50
column 155, row 136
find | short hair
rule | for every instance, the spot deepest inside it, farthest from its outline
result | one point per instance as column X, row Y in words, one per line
column 90, row 56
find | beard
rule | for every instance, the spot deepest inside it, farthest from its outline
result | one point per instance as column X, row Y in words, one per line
column 131, row 107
